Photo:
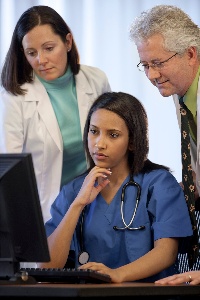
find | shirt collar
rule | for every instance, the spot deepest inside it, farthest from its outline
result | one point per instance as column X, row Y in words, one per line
column 190, row 98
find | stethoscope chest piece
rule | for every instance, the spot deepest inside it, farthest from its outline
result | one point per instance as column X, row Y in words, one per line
column 83, row 257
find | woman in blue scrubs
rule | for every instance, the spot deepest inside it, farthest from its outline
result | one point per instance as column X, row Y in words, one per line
column 126, row 216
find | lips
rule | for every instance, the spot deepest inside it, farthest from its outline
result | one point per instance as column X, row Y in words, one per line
column 45, row 70
column 99, row 155
column 159, row 83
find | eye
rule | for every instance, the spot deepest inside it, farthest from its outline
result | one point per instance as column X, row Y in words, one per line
column 158, row 64
column 31, row 53
column 49, row 49
column 145, row 66
column 114, row 135
column 93, row 131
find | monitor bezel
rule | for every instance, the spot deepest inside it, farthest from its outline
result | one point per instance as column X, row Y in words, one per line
column 22, row 230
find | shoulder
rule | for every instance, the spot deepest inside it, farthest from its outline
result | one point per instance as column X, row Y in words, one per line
column 34, row 88
column 93, row 74
column 67, row 195
column 91, row 70
column 160, row 179
column 7, row 99
column 92, row 79
column 160, row 187
column 74, row 186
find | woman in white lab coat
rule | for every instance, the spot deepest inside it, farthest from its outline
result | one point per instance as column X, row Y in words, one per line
column 45, row 99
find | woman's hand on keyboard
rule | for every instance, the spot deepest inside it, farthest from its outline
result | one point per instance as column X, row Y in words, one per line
column 101, row 268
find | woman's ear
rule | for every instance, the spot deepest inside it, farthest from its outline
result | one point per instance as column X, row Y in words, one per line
column 69, row 41
column 130, row 147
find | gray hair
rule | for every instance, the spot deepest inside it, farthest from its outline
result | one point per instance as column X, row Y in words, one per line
column 176, row 27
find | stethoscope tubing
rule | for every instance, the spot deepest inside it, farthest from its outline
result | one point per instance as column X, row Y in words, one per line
column 127, row 226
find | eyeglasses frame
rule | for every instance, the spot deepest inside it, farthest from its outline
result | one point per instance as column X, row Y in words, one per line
column 154, row 65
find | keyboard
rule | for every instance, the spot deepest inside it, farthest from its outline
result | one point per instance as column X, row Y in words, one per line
column 66, row 275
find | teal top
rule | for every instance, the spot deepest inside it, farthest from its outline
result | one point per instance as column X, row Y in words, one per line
column 62, row 94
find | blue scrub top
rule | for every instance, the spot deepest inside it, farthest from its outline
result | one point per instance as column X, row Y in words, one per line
column 162, row 210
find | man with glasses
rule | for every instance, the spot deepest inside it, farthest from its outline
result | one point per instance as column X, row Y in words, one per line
column 168, row 44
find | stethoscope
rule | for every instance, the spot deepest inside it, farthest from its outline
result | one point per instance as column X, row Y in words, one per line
column 127, row 226
column 83, row 256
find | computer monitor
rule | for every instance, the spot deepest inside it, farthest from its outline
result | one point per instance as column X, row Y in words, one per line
column 22, row 232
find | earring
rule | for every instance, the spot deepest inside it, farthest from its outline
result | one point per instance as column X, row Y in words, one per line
column 68, row 50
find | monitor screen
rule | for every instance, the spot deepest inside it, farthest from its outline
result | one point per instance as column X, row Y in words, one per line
column 22, row 232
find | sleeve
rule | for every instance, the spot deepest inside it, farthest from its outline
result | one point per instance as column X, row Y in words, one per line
column 11, row 123
column 168, row 208
column 62, row 203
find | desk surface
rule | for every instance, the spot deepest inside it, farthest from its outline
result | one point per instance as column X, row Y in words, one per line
column 99, row 290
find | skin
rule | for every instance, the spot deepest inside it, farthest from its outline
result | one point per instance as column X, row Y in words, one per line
column 177, row 74
column 175, row 77
column 108, row 141
column 46, row 52
column 193, row 277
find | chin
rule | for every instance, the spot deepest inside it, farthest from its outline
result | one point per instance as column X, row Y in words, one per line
column 165, row 93
column 48, row 76
column 100, row 164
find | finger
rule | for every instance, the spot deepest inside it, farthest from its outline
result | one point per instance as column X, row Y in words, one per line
column 166, row 280
column 195, row 281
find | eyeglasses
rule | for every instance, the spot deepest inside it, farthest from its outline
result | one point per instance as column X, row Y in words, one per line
column 143, row 67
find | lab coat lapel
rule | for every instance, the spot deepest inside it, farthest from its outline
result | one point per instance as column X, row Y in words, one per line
column 47, row 114
column 85, row 97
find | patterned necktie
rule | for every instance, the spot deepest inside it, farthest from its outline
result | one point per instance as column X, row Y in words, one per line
column 187, row 181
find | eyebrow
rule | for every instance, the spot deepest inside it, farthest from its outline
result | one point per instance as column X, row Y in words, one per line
column 111, row 129
column 152, row 61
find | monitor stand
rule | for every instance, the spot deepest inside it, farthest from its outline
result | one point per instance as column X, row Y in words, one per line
column 18, row 279
column 10, row 274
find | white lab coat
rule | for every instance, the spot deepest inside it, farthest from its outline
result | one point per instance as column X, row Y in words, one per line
column 28, row 124
column 195, row 150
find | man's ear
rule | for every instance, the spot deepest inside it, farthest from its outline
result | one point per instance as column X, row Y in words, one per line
column 192, row 55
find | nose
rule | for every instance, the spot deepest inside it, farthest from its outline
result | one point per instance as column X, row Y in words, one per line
column 100, row 143
column 152, row 73
column 41, row 58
